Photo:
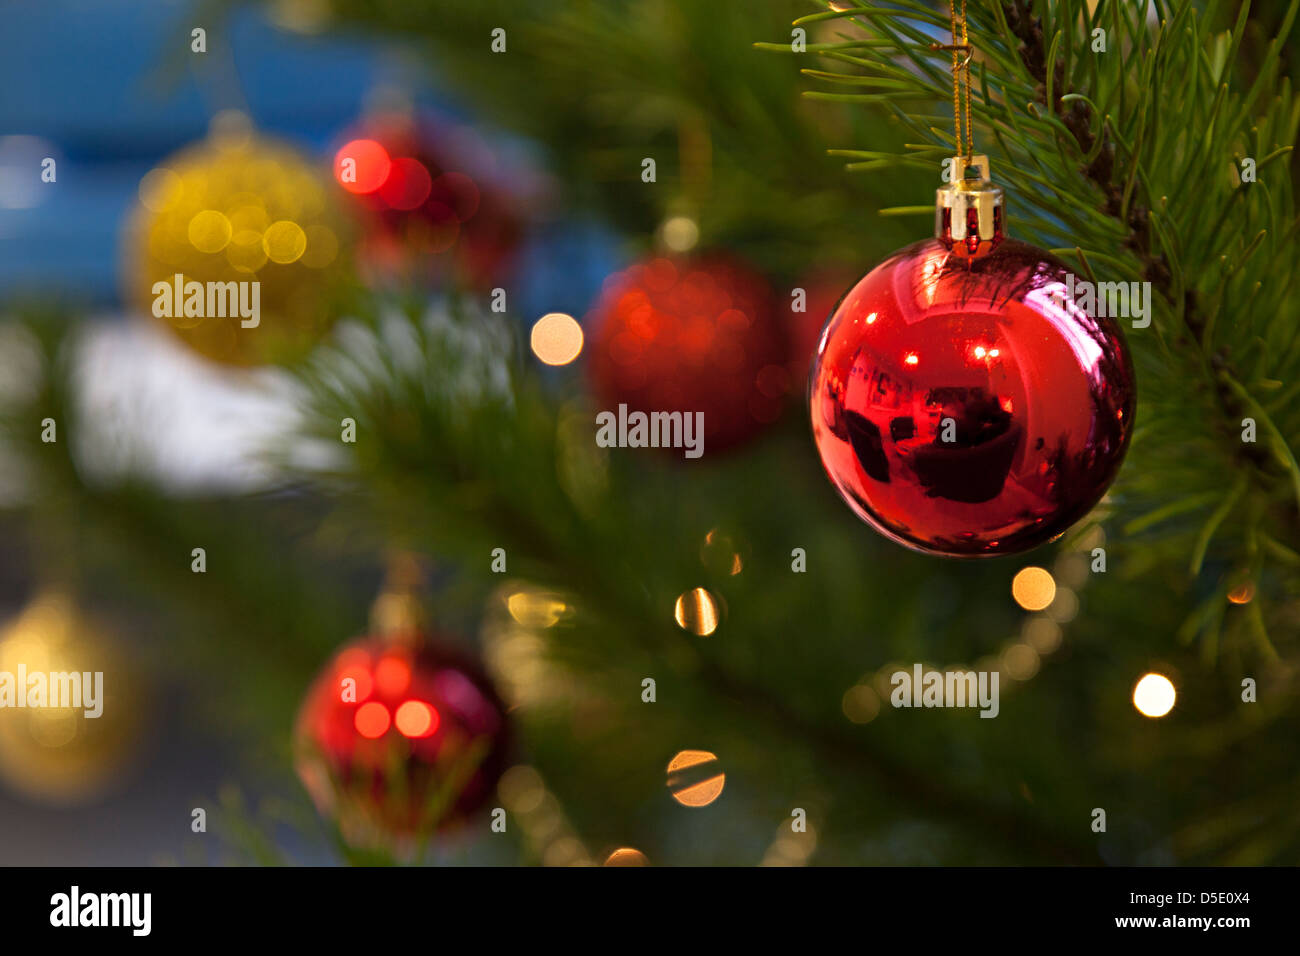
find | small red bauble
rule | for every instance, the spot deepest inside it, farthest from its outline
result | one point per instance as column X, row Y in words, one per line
column 398, row 739
column 431, row 200
column 691, row 335
column 962, row 403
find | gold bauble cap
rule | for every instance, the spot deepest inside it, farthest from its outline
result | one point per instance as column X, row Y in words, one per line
column 968, row 211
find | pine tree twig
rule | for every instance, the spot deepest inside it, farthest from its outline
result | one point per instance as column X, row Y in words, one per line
column 1077, row 113
column 1013, row 827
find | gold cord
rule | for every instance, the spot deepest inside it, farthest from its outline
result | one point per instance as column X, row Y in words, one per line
column 965, row 41
column 960, row 76
column 956, row 75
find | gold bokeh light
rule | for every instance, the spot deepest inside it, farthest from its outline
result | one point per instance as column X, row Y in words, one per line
column 680, row 233
column 1154, row 695
column 1033, row 588
column 556, row 338
column 697, row 612
column 694, row 778
column 209, row 231
column 860, row 704
column 284, row 242
column 1243, row 593
column 626, row 856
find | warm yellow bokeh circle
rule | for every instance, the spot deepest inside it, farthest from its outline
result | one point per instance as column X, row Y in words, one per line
column 61, row 754
column 238, row 208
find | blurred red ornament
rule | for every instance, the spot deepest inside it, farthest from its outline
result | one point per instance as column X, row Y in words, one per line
column 432, row 201
column 398, row 738
column 362, row 165
column 962, row 402
column 691, row 335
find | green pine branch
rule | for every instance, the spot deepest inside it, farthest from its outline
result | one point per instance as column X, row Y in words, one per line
column 1125, row 162
column 1130, row 162
column 461, row 465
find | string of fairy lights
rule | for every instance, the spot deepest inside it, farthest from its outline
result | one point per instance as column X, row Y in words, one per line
column 515, row 650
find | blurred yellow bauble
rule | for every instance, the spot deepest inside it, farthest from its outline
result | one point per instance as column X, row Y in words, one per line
column 233, row 210
column 58, row 754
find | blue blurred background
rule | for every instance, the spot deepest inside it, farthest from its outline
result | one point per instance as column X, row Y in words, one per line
column 109, row 88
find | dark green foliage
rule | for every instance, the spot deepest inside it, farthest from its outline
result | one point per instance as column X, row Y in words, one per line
column 1126, row 163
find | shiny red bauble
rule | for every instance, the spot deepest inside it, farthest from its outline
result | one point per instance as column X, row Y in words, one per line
column 964, row 405
column 399, row 738
column 691, row 335
column 432, row 201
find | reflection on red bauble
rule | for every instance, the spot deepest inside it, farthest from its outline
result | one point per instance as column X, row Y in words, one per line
column 398, row 738
column 691, row 335
column 964, row 405
column 431, row 199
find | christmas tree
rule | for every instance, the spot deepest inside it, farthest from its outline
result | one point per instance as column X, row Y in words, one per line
column 695, row 659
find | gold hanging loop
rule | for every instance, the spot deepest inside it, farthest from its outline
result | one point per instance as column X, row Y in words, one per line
column 960, row 77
